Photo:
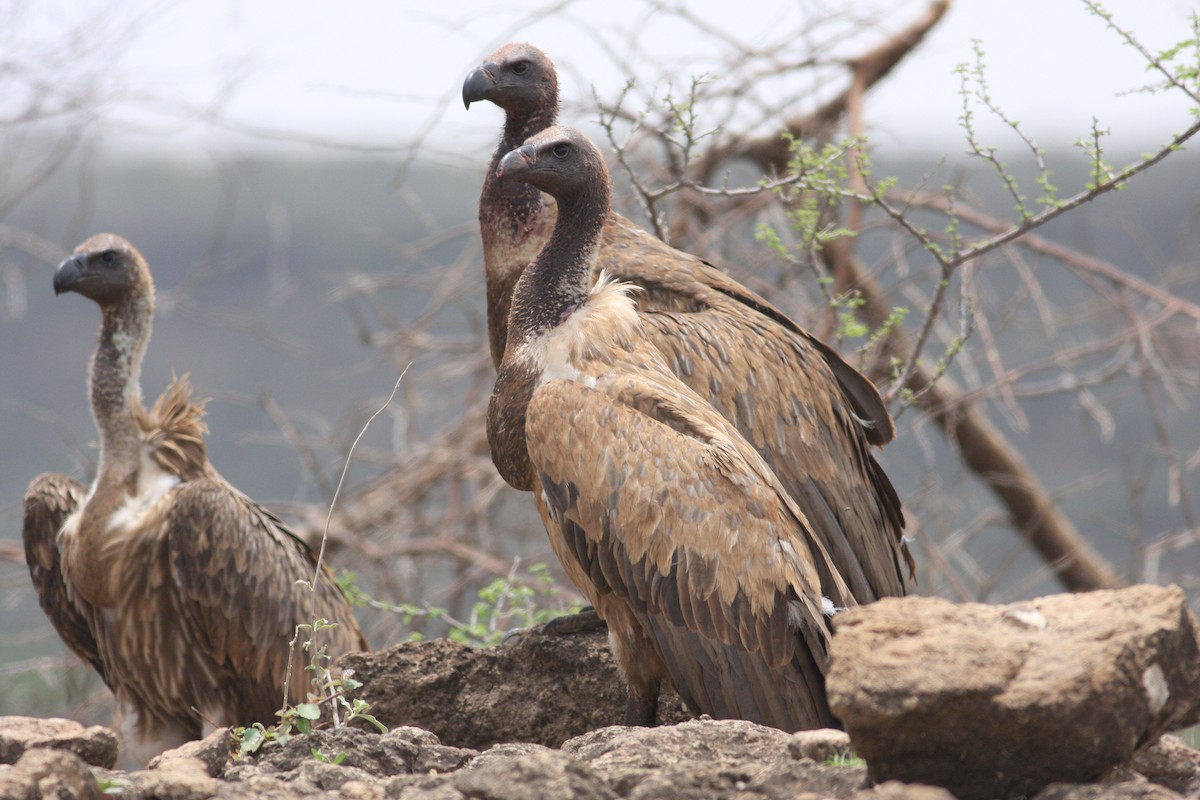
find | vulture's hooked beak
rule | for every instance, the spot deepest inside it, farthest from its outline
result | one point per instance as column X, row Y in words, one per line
column 479, row 84
column 68, row 274
column 516, row 161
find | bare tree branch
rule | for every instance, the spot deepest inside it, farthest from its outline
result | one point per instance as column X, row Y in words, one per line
column 984, row 450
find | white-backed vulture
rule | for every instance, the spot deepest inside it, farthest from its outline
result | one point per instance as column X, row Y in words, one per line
column 706, row 571
column 810, row 415
column 180, row 590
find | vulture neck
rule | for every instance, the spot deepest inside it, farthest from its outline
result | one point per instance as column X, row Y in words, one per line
column 517, row 128
column 559, row 280
column 546, row 296
column 116, row 389
column 513, row 224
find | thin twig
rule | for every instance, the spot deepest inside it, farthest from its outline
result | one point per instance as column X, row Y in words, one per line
column 346, row 468
column 312, row 586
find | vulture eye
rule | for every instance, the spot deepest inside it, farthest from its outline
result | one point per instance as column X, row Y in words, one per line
column 109, row 257
column 521, row 67
column 561, row 150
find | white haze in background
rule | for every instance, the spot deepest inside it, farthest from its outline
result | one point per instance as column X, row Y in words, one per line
column 374, row 74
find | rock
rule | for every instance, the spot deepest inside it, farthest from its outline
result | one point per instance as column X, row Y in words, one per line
column 213, row 752
column 895, row 790
column 821, row 745
column 1122, row 790
column 178, row 778
column 778, row 780
column 404, row 750
column 547, row 775
column 992, row 701
column 697, row 760
column 705, row 759
column 95, row 745
column 502, row 751
column 50, row 774
column 514, row 771
column 542, row 688
column 718, row 742
column 343, row 763
column 410, row 788
column 1171, row 763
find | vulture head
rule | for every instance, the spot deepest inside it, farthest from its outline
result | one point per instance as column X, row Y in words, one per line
column 560, row 161
column 518, row 77
column 107, row 270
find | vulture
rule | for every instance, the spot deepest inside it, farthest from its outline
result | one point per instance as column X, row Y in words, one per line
column 709, row 575
column 811, row 416
column 181, row 591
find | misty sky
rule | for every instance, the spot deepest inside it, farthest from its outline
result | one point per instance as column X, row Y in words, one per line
column 373, row 73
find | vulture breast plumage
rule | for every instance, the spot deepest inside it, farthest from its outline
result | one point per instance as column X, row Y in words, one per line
column 709, row 575
column 809, row 414
column 179, row 590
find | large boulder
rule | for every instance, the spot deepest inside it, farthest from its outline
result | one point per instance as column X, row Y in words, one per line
column 995, row 701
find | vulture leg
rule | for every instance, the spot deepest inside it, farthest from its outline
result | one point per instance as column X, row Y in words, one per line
column 142, row 737
column 642, row 668
column 641, row 711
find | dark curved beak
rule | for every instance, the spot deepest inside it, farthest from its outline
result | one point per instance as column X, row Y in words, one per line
column 516, row 161
column 478, row 84
column 68, row 274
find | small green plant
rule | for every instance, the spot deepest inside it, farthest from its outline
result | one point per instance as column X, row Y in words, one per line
column 515, row 601
column 112, row 785
column 324, row 758
column 844, row 760
column 816, row 179
column 329, row 690
column 849, row 325
column 507, row 603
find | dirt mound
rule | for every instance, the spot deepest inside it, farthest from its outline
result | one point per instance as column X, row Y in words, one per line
column 536, row 688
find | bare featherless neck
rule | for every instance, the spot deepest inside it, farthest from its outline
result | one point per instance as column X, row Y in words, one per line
column 524, row 201
column 559, row 279
column 116, row 372
column 520, row 126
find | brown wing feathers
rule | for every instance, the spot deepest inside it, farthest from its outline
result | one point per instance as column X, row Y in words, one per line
column 49, row 500
column 212, row 532
column 683, row 546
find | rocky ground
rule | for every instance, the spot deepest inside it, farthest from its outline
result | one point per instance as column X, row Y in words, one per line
column 536, row 719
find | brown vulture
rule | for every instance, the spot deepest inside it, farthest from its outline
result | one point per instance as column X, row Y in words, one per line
column 811, row 416
column 708, row 573
column 180, row 590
